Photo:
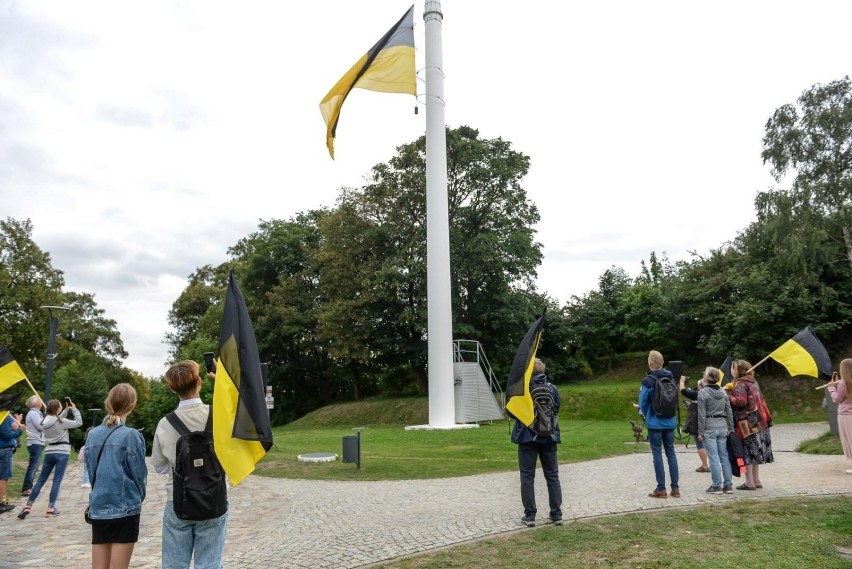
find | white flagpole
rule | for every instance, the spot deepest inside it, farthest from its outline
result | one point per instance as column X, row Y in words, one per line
column 440, row 328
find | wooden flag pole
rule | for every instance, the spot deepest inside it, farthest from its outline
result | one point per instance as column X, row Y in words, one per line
column 829, row 384
column 757, row 364
column 31, row 386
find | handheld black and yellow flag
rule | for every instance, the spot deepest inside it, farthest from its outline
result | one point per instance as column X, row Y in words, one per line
column 10, row 372
column 519, row 403
column 7, row 402
column 725, row 371
column 804, row 354
column 388, row 67
column 242, row 434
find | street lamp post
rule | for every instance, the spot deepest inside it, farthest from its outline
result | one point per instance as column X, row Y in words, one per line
column 95, row 416
column 51, row 346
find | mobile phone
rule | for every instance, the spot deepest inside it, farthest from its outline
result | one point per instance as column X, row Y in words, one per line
column 209, row 362
column 67, row 401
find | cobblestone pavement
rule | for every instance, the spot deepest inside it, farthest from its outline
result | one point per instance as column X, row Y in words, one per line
column 304, row 523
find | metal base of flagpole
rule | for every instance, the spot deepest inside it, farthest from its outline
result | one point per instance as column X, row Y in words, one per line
column 456, row 427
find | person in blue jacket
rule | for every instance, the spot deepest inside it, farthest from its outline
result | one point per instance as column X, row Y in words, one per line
column 10, row 430
column 660, row 430
column 532, row 447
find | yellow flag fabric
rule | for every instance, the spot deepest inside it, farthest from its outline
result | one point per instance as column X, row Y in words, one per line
column 242, row 434
column 388, row 68
column 10, row 372
column 804, row 354
column 519, row 402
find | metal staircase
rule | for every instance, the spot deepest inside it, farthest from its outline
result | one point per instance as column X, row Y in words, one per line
column 478, row 395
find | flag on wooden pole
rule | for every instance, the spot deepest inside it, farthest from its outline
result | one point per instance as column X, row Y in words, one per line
column 804, row 354
column 7, row 402
column 520, row 403
column 725, row 371
column 242, row 434
column 10, row 372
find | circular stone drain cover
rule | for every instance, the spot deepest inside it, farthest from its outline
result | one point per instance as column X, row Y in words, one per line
column 317, row 457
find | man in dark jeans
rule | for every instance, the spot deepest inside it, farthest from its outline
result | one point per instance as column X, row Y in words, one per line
column 532, row 447
column 660, row 429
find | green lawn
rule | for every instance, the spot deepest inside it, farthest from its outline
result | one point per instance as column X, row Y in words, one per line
column 389, row 452
column 784, row 533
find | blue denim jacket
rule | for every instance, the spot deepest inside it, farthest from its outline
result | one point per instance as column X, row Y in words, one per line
column 119, row 486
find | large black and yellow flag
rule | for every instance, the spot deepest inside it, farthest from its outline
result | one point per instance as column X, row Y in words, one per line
column 7, row 402
column 10, row 372
column 242, row 434
column 388, row 67
column 804, row 354
column 519, row 403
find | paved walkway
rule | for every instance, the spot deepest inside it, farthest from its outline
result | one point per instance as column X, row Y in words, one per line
column 305, row 523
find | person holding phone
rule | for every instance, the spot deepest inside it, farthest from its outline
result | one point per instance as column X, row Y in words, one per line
column 55, row 426
column 840, row 389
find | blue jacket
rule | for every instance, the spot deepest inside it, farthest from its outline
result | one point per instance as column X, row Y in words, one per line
column 120, row 477
column 522, row 434
column 8, row 435
column 646, row 396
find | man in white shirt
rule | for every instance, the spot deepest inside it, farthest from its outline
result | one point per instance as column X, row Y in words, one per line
column 181, row 537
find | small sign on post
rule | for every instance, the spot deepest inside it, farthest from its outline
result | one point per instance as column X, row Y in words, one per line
column 270, row 400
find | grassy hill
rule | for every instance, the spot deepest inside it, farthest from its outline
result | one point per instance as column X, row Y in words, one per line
column 608, row 397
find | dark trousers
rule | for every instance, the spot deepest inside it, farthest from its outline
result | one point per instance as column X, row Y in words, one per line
column 32, row 466
column 546, row 453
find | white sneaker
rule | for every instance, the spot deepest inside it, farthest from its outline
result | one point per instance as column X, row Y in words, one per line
column 85, row 485
column 849, row 472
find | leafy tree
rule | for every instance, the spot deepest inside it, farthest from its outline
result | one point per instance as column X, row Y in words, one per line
column 190, row 315
column 813, row 142
column 282, row 288
column 492, row 250
column 28, row 281
column 84, row 327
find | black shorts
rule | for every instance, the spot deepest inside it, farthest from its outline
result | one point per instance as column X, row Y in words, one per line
column 118, row 530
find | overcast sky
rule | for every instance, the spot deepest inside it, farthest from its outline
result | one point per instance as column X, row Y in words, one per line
column 143, row 139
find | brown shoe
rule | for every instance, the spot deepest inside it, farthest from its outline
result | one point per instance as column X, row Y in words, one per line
column 658, row 494
column 675, row 493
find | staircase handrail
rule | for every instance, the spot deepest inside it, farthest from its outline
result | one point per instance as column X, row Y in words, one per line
column 484, row 364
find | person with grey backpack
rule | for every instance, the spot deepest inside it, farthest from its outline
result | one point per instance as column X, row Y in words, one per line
column 538, row 443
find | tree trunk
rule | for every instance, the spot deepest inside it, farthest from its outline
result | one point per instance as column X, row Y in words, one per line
column 847, row 237
column 422, row 379
column 356, row 379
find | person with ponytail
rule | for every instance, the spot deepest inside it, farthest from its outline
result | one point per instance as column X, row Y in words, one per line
column 57, row 450
column 115, row 460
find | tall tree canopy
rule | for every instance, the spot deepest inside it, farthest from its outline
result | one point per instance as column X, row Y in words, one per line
column 813, row 142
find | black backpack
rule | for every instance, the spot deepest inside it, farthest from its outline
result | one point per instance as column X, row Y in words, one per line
column 544, row 410
column 692, row 419
column 200, row 490
column 664, row 400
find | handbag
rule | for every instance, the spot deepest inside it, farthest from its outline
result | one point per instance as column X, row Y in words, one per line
column 95, row 473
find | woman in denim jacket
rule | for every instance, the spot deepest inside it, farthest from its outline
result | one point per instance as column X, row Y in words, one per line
column 119, row 476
